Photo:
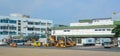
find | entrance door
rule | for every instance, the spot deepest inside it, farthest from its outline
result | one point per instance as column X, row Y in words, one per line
column 78, row 41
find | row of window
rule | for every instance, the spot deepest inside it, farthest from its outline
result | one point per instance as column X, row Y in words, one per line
column 38, row 23
column 66, row 30
column 103, row 29
column 36, row 29
column 6, row 33
column 8, row 27
column 33, row 29
column 7, row 21
column 95, row 30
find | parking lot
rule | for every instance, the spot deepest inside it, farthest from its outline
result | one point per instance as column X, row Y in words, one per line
column 53, row 51
column 89, row 48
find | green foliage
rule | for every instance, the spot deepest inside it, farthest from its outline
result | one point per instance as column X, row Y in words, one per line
column 116, row 30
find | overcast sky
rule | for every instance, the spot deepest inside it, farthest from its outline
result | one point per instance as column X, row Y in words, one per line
column 61, row 11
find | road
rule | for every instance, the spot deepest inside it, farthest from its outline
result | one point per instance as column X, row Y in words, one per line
column 91, row 48
column 7, row 51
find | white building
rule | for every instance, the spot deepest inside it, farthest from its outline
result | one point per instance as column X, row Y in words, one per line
column 18, row 24
column 99, row 29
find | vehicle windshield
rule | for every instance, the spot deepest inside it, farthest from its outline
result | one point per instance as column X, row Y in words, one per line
column 107, row 43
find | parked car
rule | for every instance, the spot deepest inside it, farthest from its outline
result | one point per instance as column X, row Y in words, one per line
column 88, row 41
column 107, row 45
column 3, row 43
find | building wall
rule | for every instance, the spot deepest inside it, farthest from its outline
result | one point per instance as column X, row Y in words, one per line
column 21, row 25
column 94, row 22
column 97, row 31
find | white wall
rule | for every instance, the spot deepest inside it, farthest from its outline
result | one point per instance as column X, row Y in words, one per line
column 94, row 22
column 24, row 24
column 81, row 32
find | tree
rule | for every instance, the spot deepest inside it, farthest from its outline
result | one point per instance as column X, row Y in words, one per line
column 116, row 30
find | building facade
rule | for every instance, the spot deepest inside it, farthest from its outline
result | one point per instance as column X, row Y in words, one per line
column 18, row 24
column 99, row 29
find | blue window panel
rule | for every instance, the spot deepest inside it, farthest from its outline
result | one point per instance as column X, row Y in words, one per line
column 4, row 21
column 12, row 33
column 12, row 28
column 3, row 27
column 12, row 21
column 0, row 33
column 5, row 33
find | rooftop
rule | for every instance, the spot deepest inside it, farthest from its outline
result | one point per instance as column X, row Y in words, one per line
column 87, row 20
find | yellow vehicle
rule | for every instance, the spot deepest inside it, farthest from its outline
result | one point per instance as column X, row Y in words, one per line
column 37, row 44
column 63, row 42
column 13, row 45
column 47, row 44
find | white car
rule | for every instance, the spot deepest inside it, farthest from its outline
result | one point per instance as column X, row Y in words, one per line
column 107, row 45
column 3, row 43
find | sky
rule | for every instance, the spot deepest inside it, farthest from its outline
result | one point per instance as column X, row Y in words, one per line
column 61, row 11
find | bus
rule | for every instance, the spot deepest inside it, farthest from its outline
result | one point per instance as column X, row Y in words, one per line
column 18, row 41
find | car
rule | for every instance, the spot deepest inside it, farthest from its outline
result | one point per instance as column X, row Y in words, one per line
column 3, row 43
column 107, row 45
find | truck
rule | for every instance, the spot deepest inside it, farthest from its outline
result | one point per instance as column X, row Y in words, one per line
column 88, row 41
column 107, row 43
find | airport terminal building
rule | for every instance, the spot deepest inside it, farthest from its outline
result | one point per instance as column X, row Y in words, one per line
column 99, row 30
column 18, row 24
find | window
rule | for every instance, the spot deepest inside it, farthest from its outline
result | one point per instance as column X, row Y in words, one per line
column 48, row 24
column 0, row 33
column 12, row 33
column 5, row 33
column 30, row 29
column 3, row 27
column 4, row 20
column 12, row 21
column 99, row 29
column 42, row 29
column 12, row 27
column 66, row 30
column 43, row 24
column 19, row 29
column 19, row 23
column 37, row 29
column 37, row 23
column 96, row 29
column 103, row 29
column 30, row 23
column 108, row 29
column 19, row 20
